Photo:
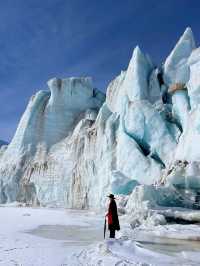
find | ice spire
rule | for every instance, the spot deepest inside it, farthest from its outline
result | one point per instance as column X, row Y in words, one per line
column 176, row 69
column 136, row 80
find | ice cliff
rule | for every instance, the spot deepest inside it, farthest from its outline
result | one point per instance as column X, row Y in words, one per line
column 73, row 145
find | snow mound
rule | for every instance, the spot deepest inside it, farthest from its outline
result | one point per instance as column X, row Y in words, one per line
column 119, row 252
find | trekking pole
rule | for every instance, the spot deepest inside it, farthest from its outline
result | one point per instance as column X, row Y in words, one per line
column 105, row 228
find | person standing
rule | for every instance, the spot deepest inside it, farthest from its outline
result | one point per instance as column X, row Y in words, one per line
column 112, row 215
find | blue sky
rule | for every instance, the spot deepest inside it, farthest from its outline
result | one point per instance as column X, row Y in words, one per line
column 40, row 39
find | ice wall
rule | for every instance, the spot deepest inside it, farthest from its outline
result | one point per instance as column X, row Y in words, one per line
column 73, row 145
column 50, row 117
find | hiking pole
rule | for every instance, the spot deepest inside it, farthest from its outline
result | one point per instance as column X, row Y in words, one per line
column 105, row 228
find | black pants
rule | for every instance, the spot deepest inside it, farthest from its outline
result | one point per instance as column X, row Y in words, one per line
column 112, row 233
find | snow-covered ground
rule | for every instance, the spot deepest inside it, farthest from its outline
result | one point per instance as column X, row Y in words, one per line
column 58, row 237
column 45, row 237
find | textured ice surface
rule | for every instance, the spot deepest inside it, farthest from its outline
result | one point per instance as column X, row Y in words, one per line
column 150, row 206
column 115, row 93
column 120, row 184
column 194, row 81
column 181, row 107
column 148, row 128
column 188, row 148
column 154, row 90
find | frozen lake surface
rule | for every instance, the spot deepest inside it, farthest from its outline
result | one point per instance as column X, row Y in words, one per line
column 73, row 235
column 57, row 237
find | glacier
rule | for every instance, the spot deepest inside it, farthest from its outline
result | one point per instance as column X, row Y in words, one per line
column 74, row 144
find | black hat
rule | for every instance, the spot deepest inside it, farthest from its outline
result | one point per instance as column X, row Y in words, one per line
column 111, row 196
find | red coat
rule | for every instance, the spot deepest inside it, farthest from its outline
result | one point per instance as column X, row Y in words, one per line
column 110, row 220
